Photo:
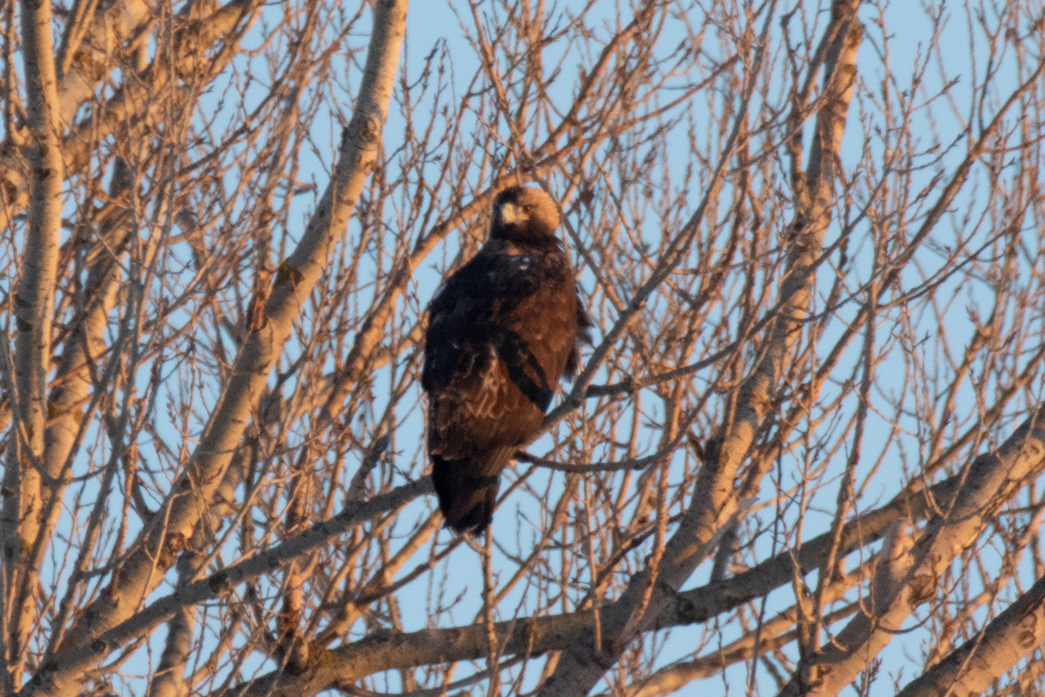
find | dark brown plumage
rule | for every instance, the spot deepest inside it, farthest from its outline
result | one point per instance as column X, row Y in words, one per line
column 502, row 331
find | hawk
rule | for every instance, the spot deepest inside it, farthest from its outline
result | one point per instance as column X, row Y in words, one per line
column 502, row 331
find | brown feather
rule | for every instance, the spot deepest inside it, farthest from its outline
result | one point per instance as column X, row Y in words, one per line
column 502, row 331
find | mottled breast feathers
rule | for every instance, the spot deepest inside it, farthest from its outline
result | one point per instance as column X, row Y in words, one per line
column 502, row 331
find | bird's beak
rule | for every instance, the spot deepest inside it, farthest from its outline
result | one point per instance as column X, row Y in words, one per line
column 509, row 214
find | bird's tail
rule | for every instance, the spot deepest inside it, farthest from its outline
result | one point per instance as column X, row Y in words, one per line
column 467, row 489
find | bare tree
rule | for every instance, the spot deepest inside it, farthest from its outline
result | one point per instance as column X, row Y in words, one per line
column 805, row 451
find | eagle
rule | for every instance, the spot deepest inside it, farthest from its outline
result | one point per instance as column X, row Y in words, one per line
column 502, row 330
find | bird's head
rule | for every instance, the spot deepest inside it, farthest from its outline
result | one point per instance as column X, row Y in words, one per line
column 524, row 215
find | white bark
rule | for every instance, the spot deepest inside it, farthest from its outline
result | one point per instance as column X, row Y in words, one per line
column 156, row 548
column 714, row 500
column 989, row 482
column 92, row 62
column 969, row 670
column 34, row 302
column 880, row 619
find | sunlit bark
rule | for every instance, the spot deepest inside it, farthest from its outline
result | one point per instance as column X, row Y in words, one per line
column 803, row 454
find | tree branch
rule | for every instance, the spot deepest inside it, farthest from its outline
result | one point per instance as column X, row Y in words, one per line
column 156, row 548
column 970, row 669
column 20, row 519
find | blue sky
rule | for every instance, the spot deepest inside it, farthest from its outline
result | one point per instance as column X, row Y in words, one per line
column 438, row 25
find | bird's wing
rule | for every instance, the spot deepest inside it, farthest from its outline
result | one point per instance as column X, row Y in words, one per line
column 469, row 307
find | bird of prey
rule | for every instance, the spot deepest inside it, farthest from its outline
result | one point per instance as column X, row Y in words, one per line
column 502, row 331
